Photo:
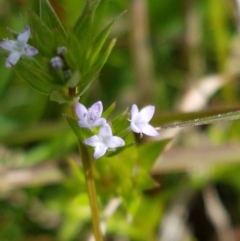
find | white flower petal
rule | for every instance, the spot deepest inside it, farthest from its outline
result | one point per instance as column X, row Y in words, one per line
column 83, row 123
column 9, row 45
column 100, row 150
column 29, row 51
column 80, row 110
column 134, row 127
column 99, row 122
column 149, row 130
column 105, row 131
column 96, row 109
column 147, row 113
column 134, row 112
column 93, row 141
column 12, row 59
column 24, row 36
column 115, row 141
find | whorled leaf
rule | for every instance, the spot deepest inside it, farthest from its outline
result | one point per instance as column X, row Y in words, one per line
column 35, row 77
column 100, row 40
column 49, row 17
column 104, row 56
column 121, row 125
column 42, row 36
column 109, row 110
column 82, row 28
column 74, row 80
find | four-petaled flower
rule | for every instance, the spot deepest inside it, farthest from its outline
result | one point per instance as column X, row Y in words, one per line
column 18, row 48
column 139, row 120
column 103, row 141
column 90, row 118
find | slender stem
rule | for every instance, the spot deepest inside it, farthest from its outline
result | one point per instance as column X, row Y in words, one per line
column 88, row 167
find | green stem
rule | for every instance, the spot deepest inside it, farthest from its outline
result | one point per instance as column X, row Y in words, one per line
column 88, row 168
column 88, row 165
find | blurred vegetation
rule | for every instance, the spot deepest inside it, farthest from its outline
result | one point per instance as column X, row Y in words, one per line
column 181, row 56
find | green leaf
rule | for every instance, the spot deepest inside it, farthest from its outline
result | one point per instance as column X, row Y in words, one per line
column 98, row 43
column 100, row 39
column 75, row 56
column 149, row 152
column 81, row 133
column 74, row 80
column 82, row 28
column 86, row 82
column 104, row 56
column 120, row 123
column 42, row 36
column 119, row 150
column 143, row 180
column 49, row 17
column 61, row 97
column 109, row 110
column 35, row 77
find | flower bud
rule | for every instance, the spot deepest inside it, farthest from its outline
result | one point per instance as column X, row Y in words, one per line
column 57, row 63
column 61, row 50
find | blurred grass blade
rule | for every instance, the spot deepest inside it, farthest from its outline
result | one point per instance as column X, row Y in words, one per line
column 78, row 172
column 230, row 116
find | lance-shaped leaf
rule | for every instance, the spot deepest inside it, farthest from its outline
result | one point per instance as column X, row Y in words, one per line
column 104, row 56
column 119, row 150
column 35, row 77
column 100, row 39
column 41, row 35
column 74, row 79
column 98, row 43
column 82, row 28
column 143, row 180
column 109, row 110
column 49, row 17
column 149, row 152
column 75, row 54
column 121, row 124
column 81, row 133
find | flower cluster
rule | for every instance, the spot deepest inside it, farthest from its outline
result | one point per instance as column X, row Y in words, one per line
column 105, row 140
column 18, row 48
column 87, row 118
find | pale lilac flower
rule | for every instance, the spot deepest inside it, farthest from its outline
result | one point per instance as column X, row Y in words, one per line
column 103, row 141
column 57, row 63
column 18, row 48
column 139, row 120
column 90, row 118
